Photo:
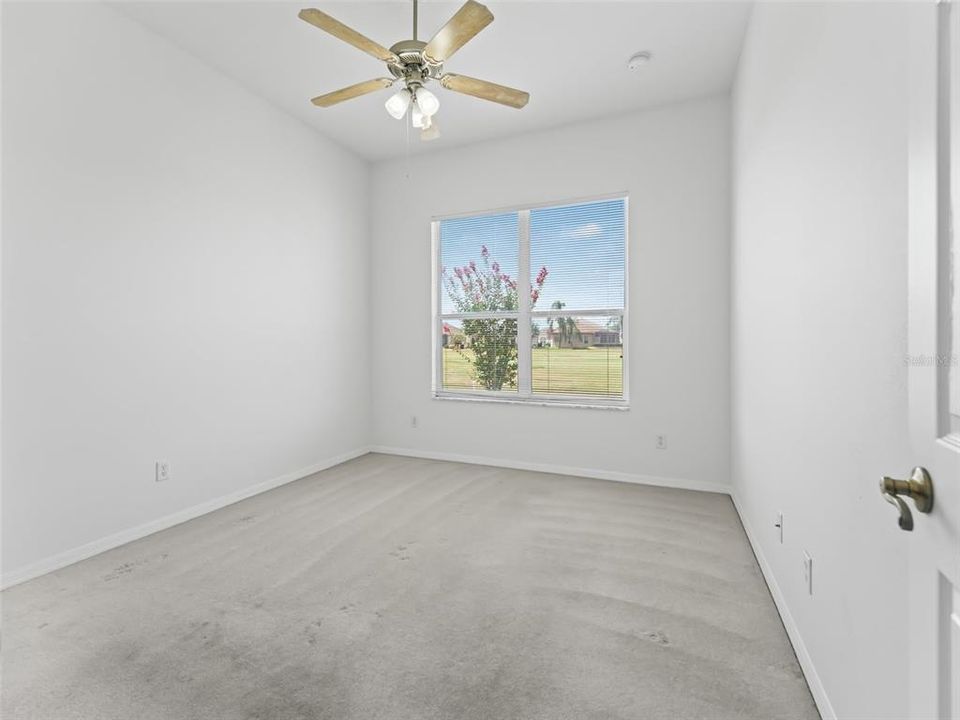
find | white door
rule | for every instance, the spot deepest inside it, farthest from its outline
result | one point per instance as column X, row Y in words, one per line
column 933, row 351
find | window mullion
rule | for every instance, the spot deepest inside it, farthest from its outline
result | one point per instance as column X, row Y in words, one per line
column 524, row 358
column 436, row 303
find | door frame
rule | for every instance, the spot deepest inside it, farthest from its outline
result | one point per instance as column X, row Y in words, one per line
column 928, row 187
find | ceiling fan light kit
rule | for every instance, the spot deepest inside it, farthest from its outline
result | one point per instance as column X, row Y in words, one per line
column 415, row 63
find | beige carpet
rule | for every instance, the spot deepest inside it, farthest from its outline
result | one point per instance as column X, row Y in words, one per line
column 401, row 589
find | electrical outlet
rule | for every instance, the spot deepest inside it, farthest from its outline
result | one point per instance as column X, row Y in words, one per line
column 162, row 471
column 779, row 526
column 413, row 421
column 808, row 572
column 661, row 442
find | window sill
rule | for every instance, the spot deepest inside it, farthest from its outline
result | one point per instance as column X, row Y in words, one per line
column 573, row 403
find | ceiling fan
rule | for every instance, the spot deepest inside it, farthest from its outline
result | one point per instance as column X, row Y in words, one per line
column 415, row 63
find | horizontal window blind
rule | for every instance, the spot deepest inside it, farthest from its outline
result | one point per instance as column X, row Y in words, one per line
column 480, row 263
column 480, row 354
column 578, row 356
column 582, row 247
column 532, row 303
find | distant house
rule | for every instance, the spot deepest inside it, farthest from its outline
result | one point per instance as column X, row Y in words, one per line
column 454, row 337
column 586, row 333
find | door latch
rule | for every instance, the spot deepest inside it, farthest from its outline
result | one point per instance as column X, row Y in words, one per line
column 919, row 487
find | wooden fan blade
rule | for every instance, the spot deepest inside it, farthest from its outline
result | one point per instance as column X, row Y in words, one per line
column 485, row 90
column 347, row 34
column 348, row 93
column 466, row 22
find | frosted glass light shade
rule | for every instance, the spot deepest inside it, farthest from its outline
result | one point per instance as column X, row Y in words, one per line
column 418, row 118
column 398, row 103
column 431, row 132
column 427, row 101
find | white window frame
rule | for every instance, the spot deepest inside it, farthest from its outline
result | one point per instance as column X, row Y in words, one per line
column 524, row 394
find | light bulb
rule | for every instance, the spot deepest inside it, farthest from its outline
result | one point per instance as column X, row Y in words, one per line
column 398, row 103
column 427, row 102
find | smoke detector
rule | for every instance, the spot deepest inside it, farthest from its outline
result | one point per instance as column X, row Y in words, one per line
column 640, row 59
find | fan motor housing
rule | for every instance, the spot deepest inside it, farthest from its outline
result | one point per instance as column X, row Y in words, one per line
column 413, row 65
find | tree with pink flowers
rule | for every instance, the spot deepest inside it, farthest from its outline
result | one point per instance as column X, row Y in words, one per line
column 483, row 287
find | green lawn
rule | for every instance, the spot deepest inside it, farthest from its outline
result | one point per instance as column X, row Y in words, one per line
column 590, row 371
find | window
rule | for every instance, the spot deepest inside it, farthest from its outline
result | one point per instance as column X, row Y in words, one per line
column 530, row 304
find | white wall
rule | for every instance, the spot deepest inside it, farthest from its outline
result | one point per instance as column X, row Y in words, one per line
column 674, row 162
column 184, row 278
column 819, row 334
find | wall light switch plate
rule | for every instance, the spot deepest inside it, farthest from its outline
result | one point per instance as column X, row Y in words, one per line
column 162, row 471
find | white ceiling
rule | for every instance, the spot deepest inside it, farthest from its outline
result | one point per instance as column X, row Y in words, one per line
column 570, row 56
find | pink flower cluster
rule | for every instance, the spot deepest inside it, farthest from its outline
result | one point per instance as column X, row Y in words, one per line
column 477, row 289
column 538, row 285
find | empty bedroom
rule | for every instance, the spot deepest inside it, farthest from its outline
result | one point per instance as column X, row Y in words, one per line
column 500, row 360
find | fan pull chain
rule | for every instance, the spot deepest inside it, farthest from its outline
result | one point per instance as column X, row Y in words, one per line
column 406, row 160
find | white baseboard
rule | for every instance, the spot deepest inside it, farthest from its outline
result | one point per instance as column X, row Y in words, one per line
column 614, row 475
column 74, row 555
column 793, row 632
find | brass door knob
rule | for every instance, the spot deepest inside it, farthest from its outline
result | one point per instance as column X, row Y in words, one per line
column 919, row 487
